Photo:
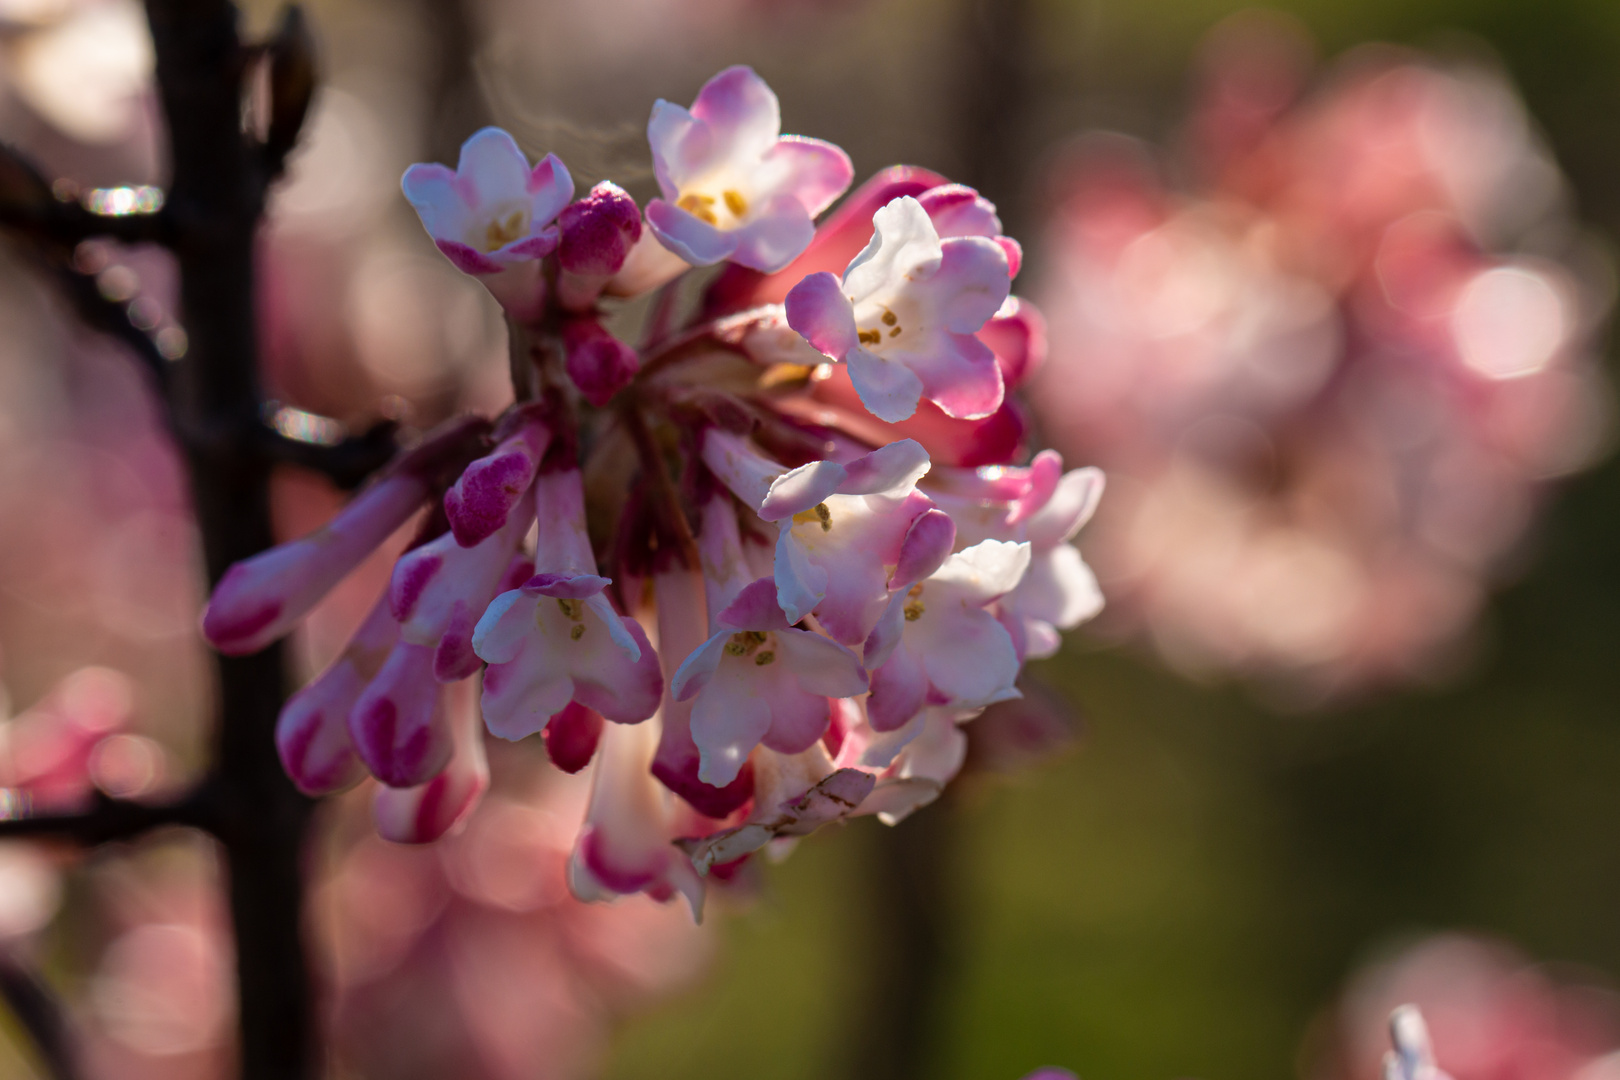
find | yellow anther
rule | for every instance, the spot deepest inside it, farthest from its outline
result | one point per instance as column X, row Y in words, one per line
column 820, row 512
column 889, row 317
column 502, row 231
column 914, row 610
column 915, row 591
column 869, row 337
column 735, row 202
column 735, row 647
column 745, row 642
column 576, row 632
column 699, row 207
column 895, row 332
column 764, row 658
column 572, row 608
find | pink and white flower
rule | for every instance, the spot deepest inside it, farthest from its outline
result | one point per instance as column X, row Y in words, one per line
column 625, row 846
column 312, row 732
column 759, row 680
column 557, row 639
column 938, row 645
column 492, row 217
column 398, row 725
column 904, row 316
column 261, row 599
column 734, row 187
column 440, row 590
column 424, row 813
column 843, row 530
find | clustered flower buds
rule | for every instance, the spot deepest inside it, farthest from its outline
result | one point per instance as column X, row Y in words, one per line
column 755, row 573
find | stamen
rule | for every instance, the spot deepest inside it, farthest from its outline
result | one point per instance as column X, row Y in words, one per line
column 502, row 231
column 913, row 610
column 869, row 337
column 764, row 658
column 735, row 203
column 576, row 632
column 820, row 512
column 889, row 317
column 699, row 207
column 572, row 608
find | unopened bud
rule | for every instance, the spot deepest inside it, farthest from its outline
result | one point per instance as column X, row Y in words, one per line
column 599, row 363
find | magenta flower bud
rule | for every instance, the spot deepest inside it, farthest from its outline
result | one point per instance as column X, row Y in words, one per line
column 599, row 363
column 260, row 599
column 598, row 231
column 398, row 724
column 572, row 736
column 482, row 498
column 312, row 733
column 426, row 812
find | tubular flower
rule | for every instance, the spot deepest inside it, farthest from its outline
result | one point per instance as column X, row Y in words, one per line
column 842, row 530
column 757, row 679
column 936, row 644
column 556, row 639
column 735, row 188
column 734, row 599
column 492, row 217
column 904, row 315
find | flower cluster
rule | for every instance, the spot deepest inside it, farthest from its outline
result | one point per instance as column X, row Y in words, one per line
column 753, row 573
column 1333, row 375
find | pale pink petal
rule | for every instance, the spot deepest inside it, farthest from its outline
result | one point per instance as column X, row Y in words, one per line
column 960, row 375
column 890, row 391
column 550, row 189
column 797, row 720
column 971, row 283
column 728, row 719
column 971, row 660
column 522, row 695
column 821, row 665
column 696, row 241
column 958, row 210
column 431, row 191
column 800, row 583
column 492, row 169
column 740, row 111
column 800, row 489
column 812, row 171
column 1072, row 504
column 927, row 545
column 818, row 309
column 903, row 245
column 755, row 608
column 899, row 690
column 981, row 573
column 779, row 231
column 622, row 689
column 504, row 626
column 900, row 464
column 698, row 668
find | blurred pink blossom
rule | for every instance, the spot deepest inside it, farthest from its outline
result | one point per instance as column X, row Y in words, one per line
column 1331, row 378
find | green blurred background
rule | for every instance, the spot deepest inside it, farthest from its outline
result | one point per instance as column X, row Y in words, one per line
column 1185, row 891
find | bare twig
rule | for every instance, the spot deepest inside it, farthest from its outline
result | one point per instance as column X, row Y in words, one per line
column 107, row 819
column 347, row 464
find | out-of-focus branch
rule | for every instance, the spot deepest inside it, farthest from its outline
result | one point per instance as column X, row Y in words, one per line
column 38, row 1012
column 348, row 464
column 293, row 77
column 28, row 205
column 107, row 819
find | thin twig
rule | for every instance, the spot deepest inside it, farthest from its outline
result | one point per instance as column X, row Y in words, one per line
column 107, row 819
column 348, row 464
column 670, row 518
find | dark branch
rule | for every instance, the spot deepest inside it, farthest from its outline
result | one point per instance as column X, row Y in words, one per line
column 39, row 1013
column 108, row 819
column 293, row 77
column 348, row 464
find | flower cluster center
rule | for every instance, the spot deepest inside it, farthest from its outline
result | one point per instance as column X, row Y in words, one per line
column 750, row 643
column 914, row 606
column 704, row 207
column 574, row 611
column 876, row 335
column 819, row 512
column 504, row 228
